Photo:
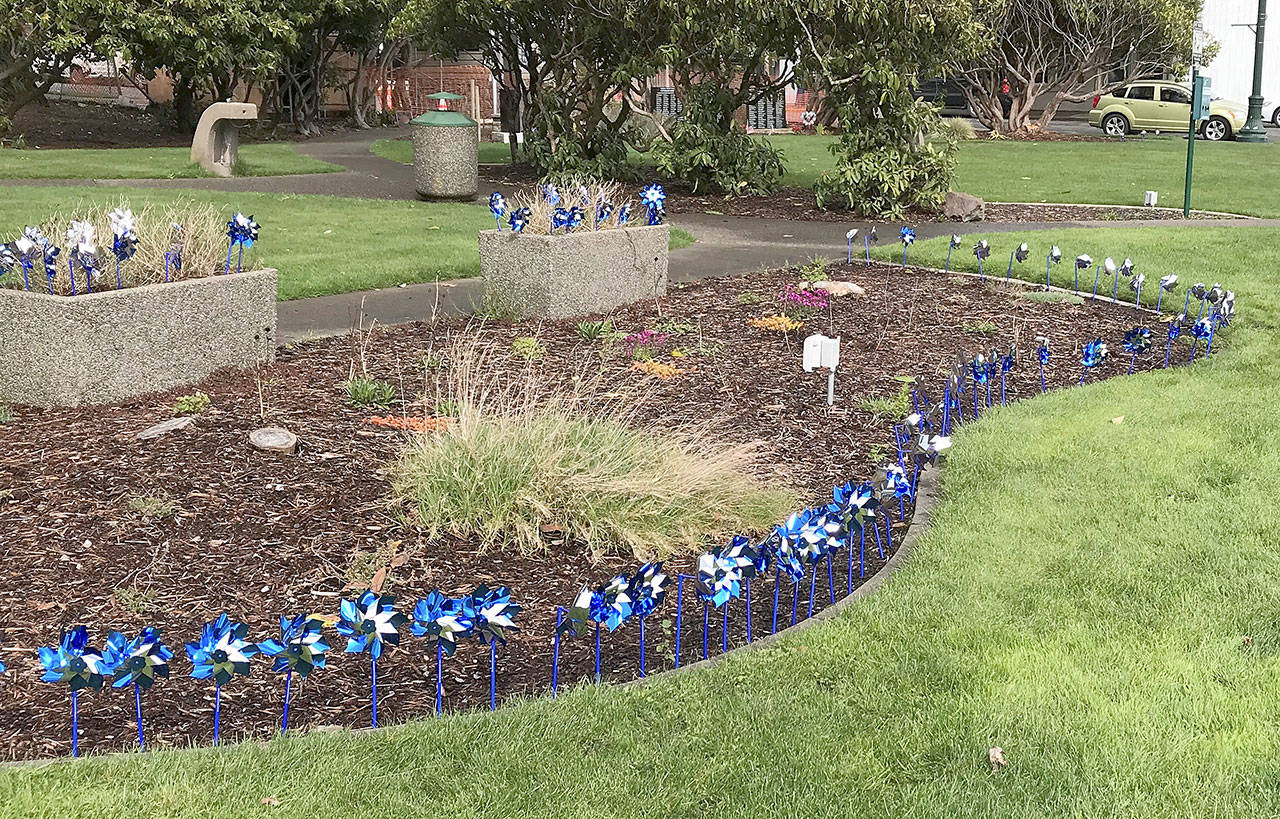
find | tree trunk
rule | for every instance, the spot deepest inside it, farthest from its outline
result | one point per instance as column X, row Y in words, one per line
column 184, row 104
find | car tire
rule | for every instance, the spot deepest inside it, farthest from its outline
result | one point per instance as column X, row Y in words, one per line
column 1115, row 125
column 1275, row 117
column 1216, row 129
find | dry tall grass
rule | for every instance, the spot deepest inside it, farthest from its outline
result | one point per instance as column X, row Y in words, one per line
column 587, row 194
column 523, row 459
column 202, row 241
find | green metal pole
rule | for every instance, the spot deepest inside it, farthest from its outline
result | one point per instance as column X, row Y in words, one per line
column 1254, row 130
column 1191, row 140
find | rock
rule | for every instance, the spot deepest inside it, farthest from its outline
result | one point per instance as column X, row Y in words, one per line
column 274, row 439
column 838, row 289
column 165, row 427
column 964, row 207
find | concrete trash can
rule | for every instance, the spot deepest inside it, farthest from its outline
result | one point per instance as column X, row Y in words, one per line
column 446, row 152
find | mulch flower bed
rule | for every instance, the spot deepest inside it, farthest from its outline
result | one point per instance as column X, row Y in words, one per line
column 100, row 528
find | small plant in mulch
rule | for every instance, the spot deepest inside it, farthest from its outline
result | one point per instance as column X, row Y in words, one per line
column 802, row 305
column 749, row 297
column 363, row 391
column 815, row 271
column 447, row 408
column 895, row 407
column 407, row 423
column 595, row 330
column 979, row 328
column 776, row 324
column 528, row 348
column 433, row 361
column 6, row 414
column 671, row 327
column 152, row 508
column 193, row 404
column 131, row 598
column 659, row 370
column 646, row 344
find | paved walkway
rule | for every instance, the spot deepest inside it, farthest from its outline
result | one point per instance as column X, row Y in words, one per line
column 726, row 245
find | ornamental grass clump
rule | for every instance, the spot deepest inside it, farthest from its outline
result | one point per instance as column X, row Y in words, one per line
column 525, row 464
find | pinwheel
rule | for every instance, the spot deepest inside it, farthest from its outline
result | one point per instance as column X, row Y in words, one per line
column 1198, row 290
column 982, row 250
column 369, row 624
column 855, row 506
column 138, row 662
column 931, row 448
column 1054, row 257
column 1213, row 297
column 560, row 220
column 76, row 664
column 1109, row 265
column 1019, row 254
column 954, row 242
column 848, row 251
column 498, row 207
column 1115, row 272
column 820, row 537
column 1092, row 355
column 1175, row 330
column 551, row 194
column 1227, row 309
column 124, row 239
column 493, row 615
column 750, row 561
column 1042, row 353
column 519, row 220
column 624, row 215
column 978, row 370
column 242, row 232
column 222, row 651
column 868, row 239
column 572, row 621
column 48, row 253
column 300, row 650
column 173, row 256
column 1167, row 283
column 1201, row 329
column 1137, row 340
column 26, row 248
column 443, row 621
column 1135, row 284
column 611, row 605
column 1083, row 262
column 8, row 260
column 648, row 590
column 575, row 217
column 655, row 200
column 719, row 581
column 81, row 248
column 908, row 237
column 603, row 212
column 1008, row 360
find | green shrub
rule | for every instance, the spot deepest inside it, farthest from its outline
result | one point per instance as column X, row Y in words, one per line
column 957, row 128
column 528, row 348
column 515, row 465
column 193, row 404
column 364, row 391
column 594, row 330
column 714, row 156
column 892, row 408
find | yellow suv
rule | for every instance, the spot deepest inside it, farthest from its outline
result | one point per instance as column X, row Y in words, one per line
column 1162, row 106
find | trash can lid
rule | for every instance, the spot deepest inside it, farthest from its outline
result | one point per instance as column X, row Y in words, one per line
column 443, row 117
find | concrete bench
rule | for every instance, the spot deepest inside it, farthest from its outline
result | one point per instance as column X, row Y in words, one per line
column 217, row 143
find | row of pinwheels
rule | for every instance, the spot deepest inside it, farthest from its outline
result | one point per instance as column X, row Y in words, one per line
column 224, row 650
column 34, row 247
column 792, row 550
column 564, row 217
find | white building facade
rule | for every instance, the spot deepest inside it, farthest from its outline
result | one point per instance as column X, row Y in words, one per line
column 1230, row 23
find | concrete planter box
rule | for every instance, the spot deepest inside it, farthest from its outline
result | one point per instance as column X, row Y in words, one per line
column 573, row 274
column 117, row 344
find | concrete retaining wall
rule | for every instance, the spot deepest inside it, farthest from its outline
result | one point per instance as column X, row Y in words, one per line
column 573, row 274
column 117, row 344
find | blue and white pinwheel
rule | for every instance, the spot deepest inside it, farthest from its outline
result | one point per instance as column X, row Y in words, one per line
column 719, row 580
column 443, row 620
column 124, row 239
column 603, row 212
column 551, row 194
column 624, row 215
column 222, row 651
column 301, row 647
column 82, row 248
column 578, row 614
column 8, row 260
column 894, row 482
column 140, row 661
column 76, row 664
column 611, row 603
column 1137, row 340
column 370, row 623
column 519, row 220
column 560, row 219
column 494, row 614
column 982, row 250
column 655, row 201
column 745, row 556
column 498, row 207
column 907, row 236
column 650, row 586
column 242, row 231
column 1202, row 329
column 1093, row 353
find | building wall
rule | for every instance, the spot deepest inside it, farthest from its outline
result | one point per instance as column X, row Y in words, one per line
column 1232, row 69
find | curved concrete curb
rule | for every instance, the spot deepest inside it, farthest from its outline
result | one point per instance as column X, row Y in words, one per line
column 926, row 501
column 1173, row 212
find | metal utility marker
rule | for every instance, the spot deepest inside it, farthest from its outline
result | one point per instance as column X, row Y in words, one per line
column 1253, row 130
column 1199, row 109
column 821, row 352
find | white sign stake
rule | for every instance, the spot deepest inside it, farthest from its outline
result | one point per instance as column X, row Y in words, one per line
column 821, row 352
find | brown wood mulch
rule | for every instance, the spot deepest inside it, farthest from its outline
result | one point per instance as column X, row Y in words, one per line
column 97, row 527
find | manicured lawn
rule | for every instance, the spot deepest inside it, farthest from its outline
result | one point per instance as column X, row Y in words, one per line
column 401, row 150
column 1229, row 176
column 1081, row 601
column 266, row 159
column 320, row 244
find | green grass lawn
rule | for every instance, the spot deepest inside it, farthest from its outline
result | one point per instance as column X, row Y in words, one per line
column 320, row 244
column 266, row 159
column 1081, row 601
column 1229, row 176
column 401, row 150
